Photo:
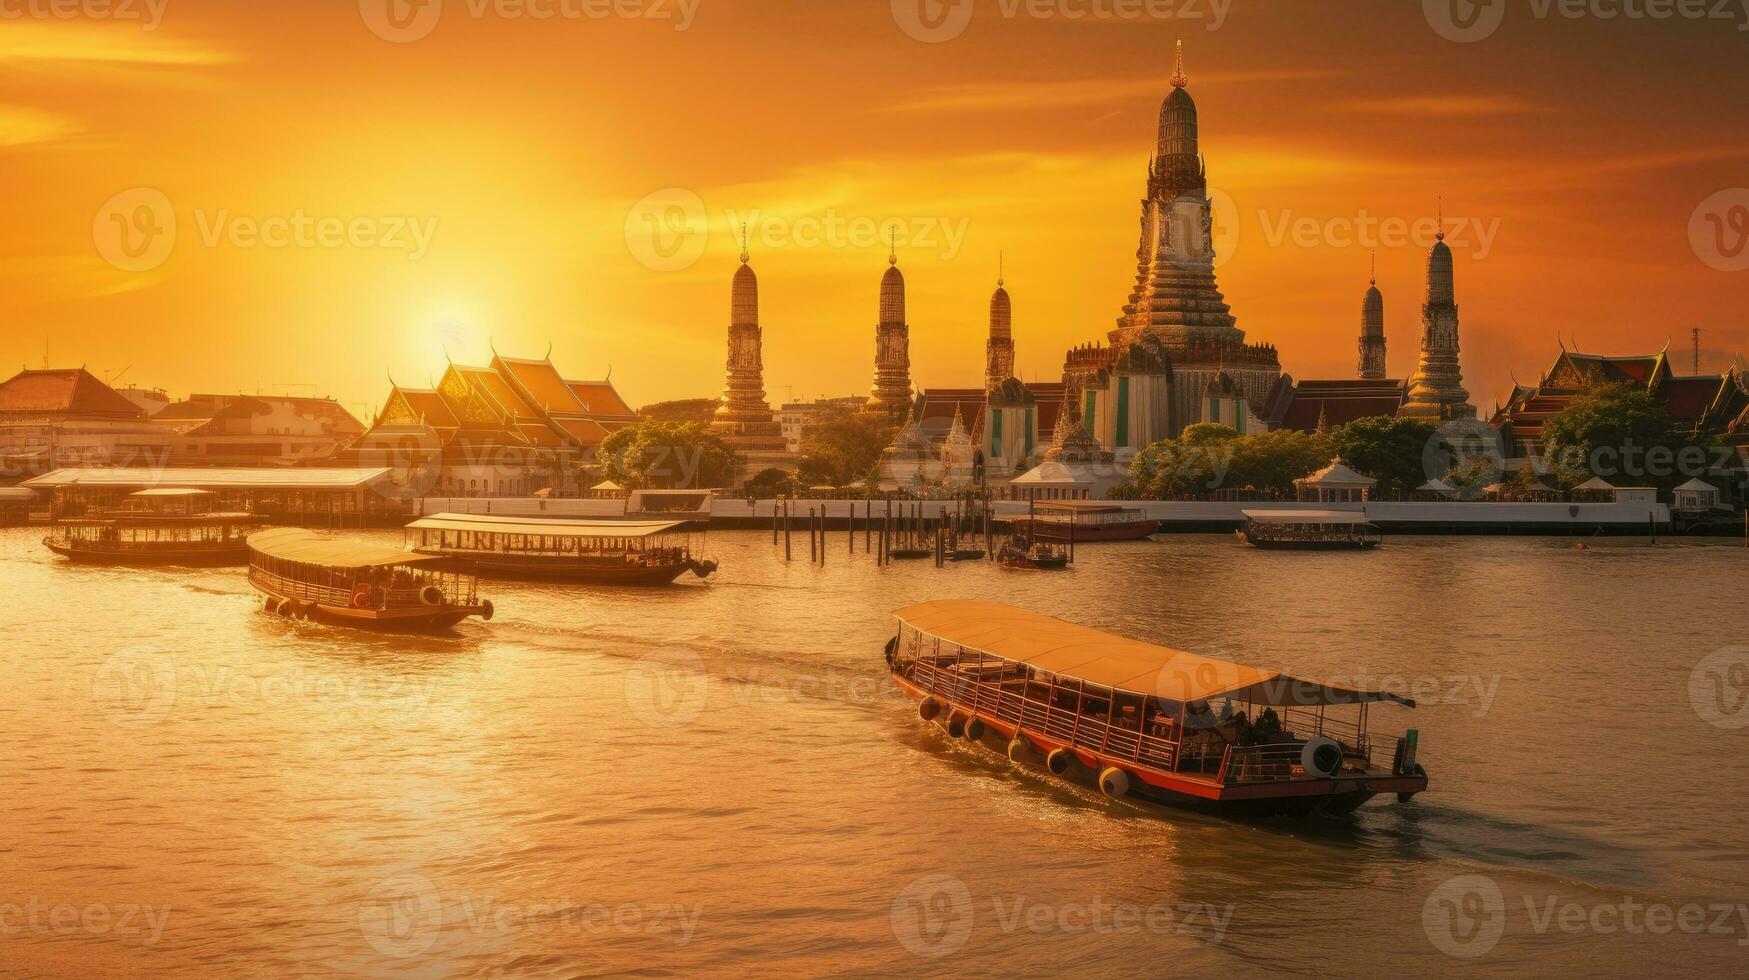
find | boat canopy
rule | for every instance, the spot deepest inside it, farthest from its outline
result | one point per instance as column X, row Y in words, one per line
column 1058, row 647
column 494, row 524
column 173, row 492
column 308, row 548
column 1082, row 506
column 1305, row 516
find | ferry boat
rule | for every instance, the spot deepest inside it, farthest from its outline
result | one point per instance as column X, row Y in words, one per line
column 1087, row 520
column 1020, row 552
column 166, row 526
column 1139, row 718
column 1309, row 530
column 351, row 583
column 621, row 552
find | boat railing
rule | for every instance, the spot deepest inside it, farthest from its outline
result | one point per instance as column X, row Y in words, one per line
column 1119, row 741
column 458, row 590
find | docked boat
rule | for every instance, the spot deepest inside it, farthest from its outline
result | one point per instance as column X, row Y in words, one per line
column 1309, row 530
column 352, row 583
column 1138, row 719
column 619, row 552
column 1018, row 552
column 1086, row 520
column 164, row 526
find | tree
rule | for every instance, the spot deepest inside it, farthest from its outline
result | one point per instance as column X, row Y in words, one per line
column 666, row 455
column 1621, row 433
column 841, row 447
column 770, row 482
column 684, row 410
column 1274, row 460
column 1390, row 450
column 1207, row 457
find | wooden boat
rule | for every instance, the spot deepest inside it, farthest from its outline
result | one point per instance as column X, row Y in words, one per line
column 1309, row 530
column 1020, row 553
column 351, row 583
column 620, row 552
column 165, row 526
column 1137, row 718
column 1082, row 521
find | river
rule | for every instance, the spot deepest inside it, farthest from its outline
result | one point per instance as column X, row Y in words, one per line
column 717, row 778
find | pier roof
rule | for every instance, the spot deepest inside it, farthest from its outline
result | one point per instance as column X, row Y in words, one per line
column 210, row 478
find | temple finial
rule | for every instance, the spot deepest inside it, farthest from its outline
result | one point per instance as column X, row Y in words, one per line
column 1440, row 237
column 999, row 269
column 1375, row 268
column 744, row 255
column 892, row 246
column 1179, row 80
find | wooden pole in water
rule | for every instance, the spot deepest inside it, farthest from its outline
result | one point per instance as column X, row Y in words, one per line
column 786, row 529
column 850, row 525
column 867, row 523
column 813, row 552
column 774, row 501
column 1071, row 537
column 1652, row 524
column 938, row 546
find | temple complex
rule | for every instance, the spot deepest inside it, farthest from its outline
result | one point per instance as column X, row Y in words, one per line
column 1716, row 404
column 744, row 419
column 892, row 382
column 1318, row 405
column 511, row 428
column 1436, row 389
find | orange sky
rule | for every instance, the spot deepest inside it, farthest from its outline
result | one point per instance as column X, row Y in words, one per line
column 522, row 146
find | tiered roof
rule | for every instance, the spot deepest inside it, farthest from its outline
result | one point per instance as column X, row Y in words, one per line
column 1305, row 405
column 1702, row 401
column 71, row 393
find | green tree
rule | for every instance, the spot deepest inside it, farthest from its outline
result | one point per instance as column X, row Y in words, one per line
column 1274, row 460
column 841, row 447
column 770, row 482
column 1621, row 433
column 683, row 410
column 1390, row 450
column 1208, row 457
column 666, row 455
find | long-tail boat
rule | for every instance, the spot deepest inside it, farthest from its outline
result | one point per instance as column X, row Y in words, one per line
column 352, row 583
column 1138, row 718
column 622, row 552
column 164, row 526
column 1309, row 530
column 1086, row 520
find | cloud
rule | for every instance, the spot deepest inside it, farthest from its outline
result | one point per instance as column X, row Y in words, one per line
column 26, row 43
column 1058, row 95
column 1445, row 106
column 24, row 125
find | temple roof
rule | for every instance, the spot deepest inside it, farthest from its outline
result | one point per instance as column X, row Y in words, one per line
column 1302, row 405
column 70, row 391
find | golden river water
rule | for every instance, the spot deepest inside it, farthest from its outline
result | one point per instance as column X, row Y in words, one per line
column 717, row 778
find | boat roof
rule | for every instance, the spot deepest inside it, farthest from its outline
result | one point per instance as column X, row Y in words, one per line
column 17, row 493
column 1059, row 647
column 172, row 492
column 501, row 524
column 1305, row 516
column 1084, row 506
column 272, row 478
column 295, row 544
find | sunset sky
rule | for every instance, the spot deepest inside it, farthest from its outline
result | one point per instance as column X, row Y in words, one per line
column 478, row 179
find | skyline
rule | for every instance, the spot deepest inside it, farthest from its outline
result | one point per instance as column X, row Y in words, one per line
column 525, row 227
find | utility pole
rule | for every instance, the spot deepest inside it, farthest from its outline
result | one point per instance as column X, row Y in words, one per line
column 1696, row 350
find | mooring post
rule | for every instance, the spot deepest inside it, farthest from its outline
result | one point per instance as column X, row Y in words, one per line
column 787, row 529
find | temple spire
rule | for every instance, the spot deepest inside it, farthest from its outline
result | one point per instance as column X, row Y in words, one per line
column 744, row 254
column 1179, row 79
column 1373, row 279
column 1440, row 210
